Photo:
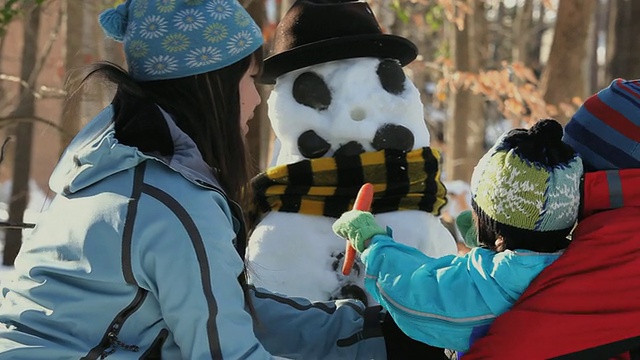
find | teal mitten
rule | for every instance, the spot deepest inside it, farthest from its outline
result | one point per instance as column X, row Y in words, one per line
column 357, row 226
column 467, row 228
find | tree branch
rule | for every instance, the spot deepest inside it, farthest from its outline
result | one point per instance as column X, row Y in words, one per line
column 12, row 120
column 29, row 84
column 9, row 10
column 53, row 35
column 42, row 92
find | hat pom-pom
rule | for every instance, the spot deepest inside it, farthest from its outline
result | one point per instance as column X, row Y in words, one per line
column 547, row 131
column 542, row 144
column 114, row 22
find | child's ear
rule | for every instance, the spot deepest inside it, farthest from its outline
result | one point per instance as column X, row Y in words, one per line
column 499, row 242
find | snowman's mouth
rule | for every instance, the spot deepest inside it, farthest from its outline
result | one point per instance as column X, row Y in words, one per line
column 312, row 146
column 352, row 148
column 392, row 136
column 388, row 137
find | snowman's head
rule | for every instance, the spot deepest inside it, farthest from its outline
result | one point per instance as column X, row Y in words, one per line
column 346, row 107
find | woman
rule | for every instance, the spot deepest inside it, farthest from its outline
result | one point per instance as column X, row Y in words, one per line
column 141, row 252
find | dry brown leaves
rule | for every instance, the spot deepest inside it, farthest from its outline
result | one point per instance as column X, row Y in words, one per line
column 514, row 88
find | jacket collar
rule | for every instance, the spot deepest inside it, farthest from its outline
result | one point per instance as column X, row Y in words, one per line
column 95, row 154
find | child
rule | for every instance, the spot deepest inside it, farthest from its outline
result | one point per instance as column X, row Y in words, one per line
column 525, row 197
column 585, row 305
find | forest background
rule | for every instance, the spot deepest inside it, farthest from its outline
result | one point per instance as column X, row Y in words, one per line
column 485, row 66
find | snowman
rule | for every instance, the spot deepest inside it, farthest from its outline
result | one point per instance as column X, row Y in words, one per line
column 344, row 113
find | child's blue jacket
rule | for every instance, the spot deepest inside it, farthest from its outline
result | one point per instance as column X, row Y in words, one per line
column 449, row 301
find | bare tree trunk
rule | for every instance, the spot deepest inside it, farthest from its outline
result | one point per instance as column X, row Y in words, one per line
column 387, row 17
column 477, row 59
column 499, row 38
column 455, row 130
column 625, row 62
column 24, row 137
column 590, row 61
column 562, row 78
column 3, row 40
column 466, row 114
column 74, row 20
column 535, row 45
column 522, row 33
column 601, row 45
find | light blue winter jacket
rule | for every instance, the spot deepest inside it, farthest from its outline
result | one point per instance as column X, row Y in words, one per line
column 447, row 302
column 134, row 259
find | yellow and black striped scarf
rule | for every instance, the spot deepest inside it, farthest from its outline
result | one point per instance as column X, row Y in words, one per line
column 328, row 186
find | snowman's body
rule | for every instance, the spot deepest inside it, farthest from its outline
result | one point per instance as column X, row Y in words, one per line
column 345, row 107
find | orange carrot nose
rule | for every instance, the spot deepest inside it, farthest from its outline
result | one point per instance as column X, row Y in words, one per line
column 363, row 202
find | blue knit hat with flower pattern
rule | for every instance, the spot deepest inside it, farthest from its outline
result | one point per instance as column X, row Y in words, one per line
column 168, row 39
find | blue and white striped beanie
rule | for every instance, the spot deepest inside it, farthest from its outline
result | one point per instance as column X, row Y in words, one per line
column 168, row 39
column 605, row 130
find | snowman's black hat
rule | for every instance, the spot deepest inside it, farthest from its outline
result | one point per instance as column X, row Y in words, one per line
column 317, row 31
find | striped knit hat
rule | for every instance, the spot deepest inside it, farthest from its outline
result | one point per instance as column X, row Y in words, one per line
column 529, row 181
column 605, row 131
column 169, row 39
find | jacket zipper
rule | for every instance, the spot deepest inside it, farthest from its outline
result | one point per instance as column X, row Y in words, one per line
column 110, row 342
column 115, row 343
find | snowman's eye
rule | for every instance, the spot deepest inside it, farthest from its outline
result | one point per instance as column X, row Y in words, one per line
column 391, row 76
column 310, row 90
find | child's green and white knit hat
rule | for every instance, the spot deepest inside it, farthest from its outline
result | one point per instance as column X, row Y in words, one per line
column 528, row 181
column 168, row 39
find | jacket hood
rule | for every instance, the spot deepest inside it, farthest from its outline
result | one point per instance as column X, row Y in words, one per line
column 95, row 154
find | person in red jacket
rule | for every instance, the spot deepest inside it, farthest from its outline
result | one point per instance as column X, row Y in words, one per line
column 586, row 305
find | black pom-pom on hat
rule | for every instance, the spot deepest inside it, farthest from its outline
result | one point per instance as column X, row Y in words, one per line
column 541, row 144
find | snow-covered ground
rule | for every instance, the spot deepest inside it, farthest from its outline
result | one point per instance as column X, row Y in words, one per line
column 38, row 202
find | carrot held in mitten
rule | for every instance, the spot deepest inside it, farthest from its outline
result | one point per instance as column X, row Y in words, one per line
column 358, row 227
column 363, row 203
